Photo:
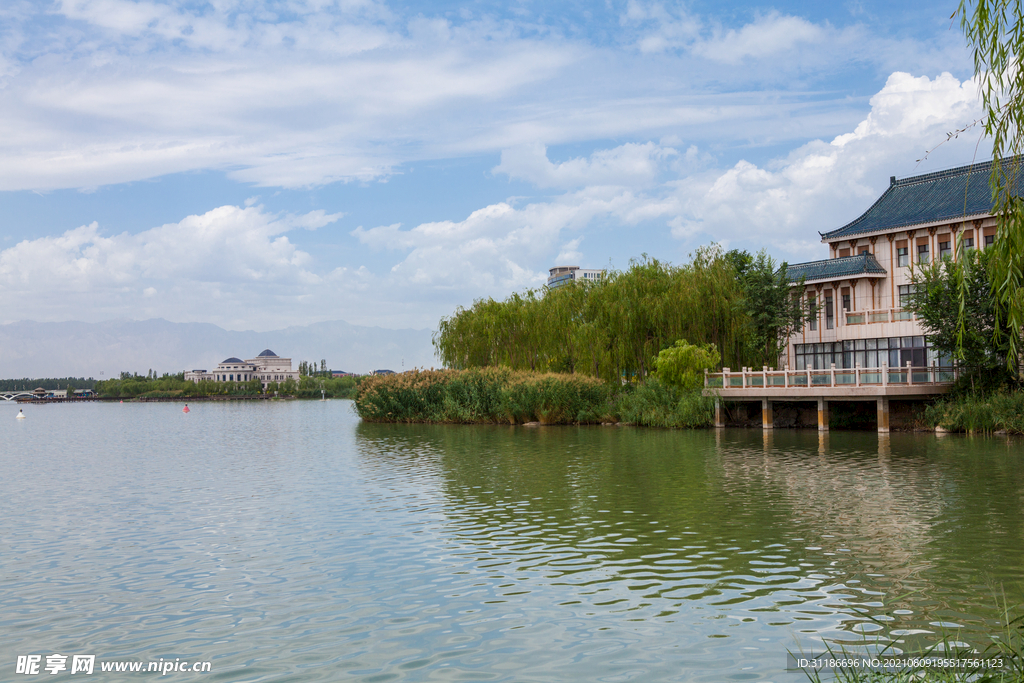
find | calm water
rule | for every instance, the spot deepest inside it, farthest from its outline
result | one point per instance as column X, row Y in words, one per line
column 290, row 542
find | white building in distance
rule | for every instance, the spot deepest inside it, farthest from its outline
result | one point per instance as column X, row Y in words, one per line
column 559, row 275
column 267, row 367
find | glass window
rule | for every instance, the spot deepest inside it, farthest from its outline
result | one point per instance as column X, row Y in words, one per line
column 905, row 292
column 968, row 243
column 944, row 250
column 865, row 250
column 846, row 302
column 830, row 320
column 902, row 256
column 922, row 253
column 989, row 240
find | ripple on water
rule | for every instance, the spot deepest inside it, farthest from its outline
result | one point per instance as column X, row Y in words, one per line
column 288, row 541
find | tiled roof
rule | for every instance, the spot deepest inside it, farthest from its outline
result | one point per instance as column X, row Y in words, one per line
column 835, row 268
column 954, row 194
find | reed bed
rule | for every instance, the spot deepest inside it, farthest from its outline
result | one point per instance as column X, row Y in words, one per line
column 481, row 396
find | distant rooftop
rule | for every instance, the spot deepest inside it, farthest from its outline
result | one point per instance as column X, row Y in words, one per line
column 231, row 360
column 954, row 194
column 267, row 353
column 833, row 268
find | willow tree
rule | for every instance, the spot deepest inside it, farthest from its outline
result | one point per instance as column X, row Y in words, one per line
column 995, row 33
column 610, row 328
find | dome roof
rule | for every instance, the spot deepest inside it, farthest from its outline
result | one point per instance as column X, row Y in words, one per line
column 231, row 360
column 267, row 352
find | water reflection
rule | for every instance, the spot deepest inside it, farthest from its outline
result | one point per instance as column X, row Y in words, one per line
column 289, row 541
column 804, row 530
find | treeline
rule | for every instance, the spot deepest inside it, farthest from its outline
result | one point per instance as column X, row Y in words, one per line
column 613, row 328
column 27, row 384
column 171, row 386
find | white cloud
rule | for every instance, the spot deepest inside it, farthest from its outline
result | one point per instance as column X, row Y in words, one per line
column 305, row 92
column 227, row 257
column 822, row 185
column 629, row 165
column 768, row 35
column 238, row 268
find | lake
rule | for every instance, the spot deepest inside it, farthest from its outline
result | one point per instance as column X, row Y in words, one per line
column 289, row 541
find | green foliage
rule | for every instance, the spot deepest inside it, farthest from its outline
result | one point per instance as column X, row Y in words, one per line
column 774, row 314
column 658, row 404
column 170, row 386
column 976, row 414
column 609, row 328
column 682, row 365
column 490, row 395
column 47, row 383
column 944, row 291
column 995, row 32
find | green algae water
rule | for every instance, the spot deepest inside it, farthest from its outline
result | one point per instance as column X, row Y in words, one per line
column 288, row 541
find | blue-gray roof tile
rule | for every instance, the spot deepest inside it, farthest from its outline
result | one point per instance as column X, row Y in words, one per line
column 957, row 193
column 835, row 268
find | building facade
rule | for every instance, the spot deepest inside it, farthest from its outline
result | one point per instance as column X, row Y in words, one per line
column 861, row 290
column 267, row 367
column 559, row 275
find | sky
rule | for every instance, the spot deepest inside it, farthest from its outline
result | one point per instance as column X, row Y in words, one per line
column 258, row 165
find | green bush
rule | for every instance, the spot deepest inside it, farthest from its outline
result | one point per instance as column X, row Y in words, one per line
column 657, row 404
column 979, row 414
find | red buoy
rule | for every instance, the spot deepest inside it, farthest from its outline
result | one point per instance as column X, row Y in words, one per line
column 185, row 409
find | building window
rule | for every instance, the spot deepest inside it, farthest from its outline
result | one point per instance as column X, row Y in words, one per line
column 989, row 240
column 902, row 257
column 968, row 243
column 922, row 253
column 830, row 319
column 812, row 312
column 846, row 302
column 905, row 292
column 865, row 250
column 944, row 250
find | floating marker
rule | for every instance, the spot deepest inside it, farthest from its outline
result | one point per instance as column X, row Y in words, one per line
column 185, row 409
column 21, row 415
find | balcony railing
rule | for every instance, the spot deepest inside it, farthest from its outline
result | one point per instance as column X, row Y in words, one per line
column 840, row 378
column 883, row 315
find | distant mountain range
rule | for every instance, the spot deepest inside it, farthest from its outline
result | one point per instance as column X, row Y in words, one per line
column 103, row 350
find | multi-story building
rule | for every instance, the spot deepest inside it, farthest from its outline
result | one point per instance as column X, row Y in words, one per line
column 863, row 344
column 267, row 367
column 860, row 291
column 559, row 275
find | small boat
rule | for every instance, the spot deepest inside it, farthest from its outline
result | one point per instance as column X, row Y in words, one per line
column 21, row 415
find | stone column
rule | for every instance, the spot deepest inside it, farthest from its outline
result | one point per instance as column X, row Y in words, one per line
column 822, row 415
column 767, row 418
column 719, row 417
column 883, row 416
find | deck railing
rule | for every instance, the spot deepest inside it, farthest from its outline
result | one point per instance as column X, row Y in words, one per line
column 843, row 378
column 882, row 315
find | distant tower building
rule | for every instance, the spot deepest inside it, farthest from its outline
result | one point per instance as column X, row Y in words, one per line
column 559, row 275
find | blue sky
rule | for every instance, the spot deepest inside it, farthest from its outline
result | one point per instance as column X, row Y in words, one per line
column 264, row 164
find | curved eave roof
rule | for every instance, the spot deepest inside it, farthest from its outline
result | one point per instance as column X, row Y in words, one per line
column 862, row 265
column 953, row 195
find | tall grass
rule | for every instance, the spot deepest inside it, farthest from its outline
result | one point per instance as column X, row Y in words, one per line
column 979, row 414
column 657, row 404
column 1007, row 646
column 487, row 395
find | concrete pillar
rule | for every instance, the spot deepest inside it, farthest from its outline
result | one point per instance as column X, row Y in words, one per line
column 883, row 416
column 719, row 416
column 822, row 415
column 767, row 417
